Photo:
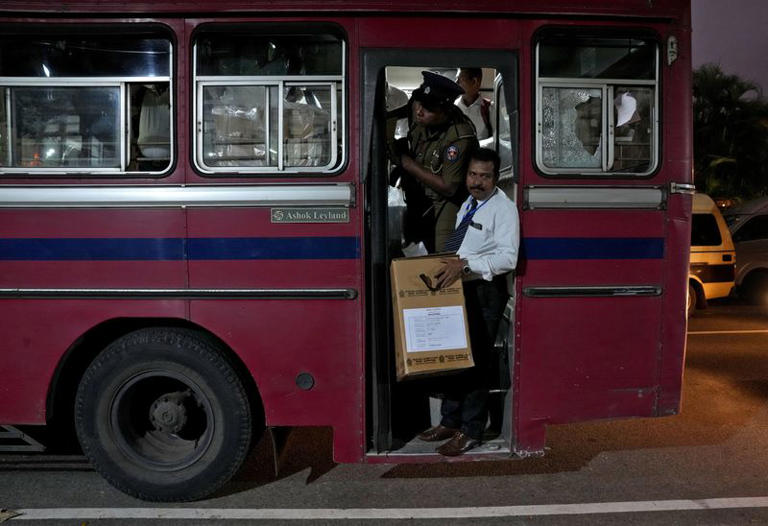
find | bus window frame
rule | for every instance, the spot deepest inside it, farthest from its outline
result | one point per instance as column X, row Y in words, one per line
column 338, row 84
column 608, row 86
column 122, row 82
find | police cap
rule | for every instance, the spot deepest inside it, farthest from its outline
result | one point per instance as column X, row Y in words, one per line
column 437, row 90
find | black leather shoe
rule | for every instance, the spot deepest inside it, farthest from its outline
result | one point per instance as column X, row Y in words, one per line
column 460, row 443
column 437, row 433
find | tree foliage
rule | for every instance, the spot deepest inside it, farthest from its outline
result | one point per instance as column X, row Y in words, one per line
column 730, row 135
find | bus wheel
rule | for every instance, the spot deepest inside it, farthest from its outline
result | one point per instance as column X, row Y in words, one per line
column 163, row 416
column 691, row 300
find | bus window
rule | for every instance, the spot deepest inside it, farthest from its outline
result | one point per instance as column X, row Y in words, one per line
column 58, row 127
column 65, row 100
column 4, row 131
column 150, row 125
column 596, row 104
column 268, row 101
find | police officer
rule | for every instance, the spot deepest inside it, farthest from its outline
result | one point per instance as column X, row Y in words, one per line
column 433, row 162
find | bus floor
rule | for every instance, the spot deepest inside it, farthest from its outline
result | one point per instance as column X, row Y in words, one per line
column 423, row 411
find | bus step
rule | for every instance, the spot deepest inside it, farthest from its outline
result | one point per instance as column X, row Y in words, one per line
column 11, row 439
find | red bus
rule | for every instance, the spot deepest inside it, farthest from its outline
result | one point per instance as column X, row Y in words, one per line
column 195, row 228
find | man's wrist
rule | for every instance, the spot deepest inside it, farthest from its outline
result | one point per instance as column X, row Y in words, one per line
column 465, row 268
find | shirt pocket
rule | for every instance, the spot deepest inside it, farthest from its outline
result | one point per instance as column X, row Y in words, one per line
column 484, row 235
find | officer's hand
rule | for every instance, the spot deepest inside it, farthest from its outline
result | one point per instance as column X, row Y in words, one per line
column 451, row 271
column 408, row 164
column 400, row 149
column 401, row 146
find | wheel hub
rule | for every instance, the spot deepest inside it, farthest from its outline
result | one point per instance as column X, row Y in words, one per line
column 168, row 413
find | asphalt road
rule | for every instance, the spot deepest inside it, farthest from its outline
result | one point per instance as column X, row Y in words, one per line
column 708, row 465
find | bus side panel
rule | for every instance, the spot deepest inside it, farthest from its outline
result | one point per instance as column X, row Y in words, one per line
column 678, row 142
column 675, row 321
column 430, row 33
column 75, row 249
column 36, row 334
column 280, row 339
column 581, row 357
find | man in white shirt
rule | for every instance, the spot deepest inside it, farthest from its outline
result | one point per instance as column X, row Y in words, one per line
column 477, row 108
column 487, row 236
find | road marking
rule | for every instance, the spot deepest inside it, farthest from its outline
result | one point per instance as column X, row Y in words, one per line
column 755, row 331
column 589, row 508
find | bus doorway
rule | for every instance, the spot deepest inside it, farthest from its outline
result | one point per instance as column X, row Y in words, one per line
column 398, row 411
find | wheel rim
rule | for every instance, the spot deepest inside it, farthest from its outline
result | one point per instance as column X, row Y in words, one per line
column 161, row 419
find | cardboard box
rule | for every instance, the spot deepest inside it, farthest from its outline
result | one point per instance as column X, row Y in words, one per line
column 431, row 330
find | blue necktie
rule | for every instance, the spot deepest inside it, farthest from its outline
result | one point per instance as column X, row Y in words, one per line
column 454, row 241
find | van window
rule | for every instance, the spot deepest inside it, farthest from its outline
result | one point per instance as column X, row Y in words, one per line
column 704, row 231
column 755, row 228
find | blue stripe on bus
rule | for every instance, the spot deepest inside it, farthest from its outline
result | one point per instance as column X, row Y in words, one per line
column 274, row 248
column 593, row 248
column 174, row 249
column 87, row 249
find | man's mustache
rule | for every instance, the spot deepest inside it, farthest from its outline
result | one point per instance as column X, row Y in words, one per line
column 477, row 188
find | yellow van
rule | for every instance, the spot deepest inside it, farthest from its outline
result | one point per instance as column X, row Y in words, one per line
column 713, row 258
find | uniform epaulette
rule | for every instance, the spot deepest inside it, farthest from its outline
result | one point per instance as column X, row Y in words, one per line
column 464, row 130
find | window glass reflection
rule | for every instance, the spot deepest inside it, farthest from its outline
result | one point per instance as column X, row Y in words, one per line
column 272, row 55
column 235, row 131
column 307, row 118
column 633, row 115
column 605, row 58
column 75, row 127
column 56, row 56
column 572, row 127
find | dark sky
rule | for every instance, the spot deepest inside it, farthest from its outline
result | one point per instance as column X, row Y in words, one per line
column 734, row 34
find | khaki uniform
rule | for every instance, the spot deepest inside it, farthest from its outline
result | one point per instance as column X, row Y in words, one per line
column 444, row 151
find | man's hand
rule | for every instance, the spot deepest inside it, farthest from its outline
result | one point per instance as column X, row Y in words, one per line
column 451, row 271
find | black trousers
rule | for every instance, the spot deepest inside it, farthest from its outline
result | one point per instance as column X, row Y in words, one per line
column 464, row 404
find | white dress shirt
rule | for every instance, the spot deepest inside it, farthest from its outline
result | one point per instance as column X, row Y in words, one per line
column 475, row 113
column 492, row 241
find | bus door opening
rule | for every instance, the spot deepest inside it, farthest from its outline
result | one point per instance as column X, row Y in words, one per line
column 398, row 411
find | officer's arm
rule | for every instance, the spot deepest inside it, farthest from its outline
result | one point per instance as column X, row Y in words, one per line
column 403, row 112
column 434, row 181
column 455, row 159
column 454, row 167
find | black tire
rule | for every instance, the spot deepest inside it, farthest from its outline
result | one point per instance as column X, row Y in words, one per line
column 756, row 288
column 692, row 299
column 163, row 416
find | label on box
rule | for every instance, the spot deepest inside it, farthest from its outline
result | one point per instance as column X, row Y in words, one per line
column 434, row 329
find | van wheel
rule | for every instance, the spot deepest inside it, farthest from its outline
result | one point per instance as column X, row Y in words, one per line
column 163, row 416
column 691, row 300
